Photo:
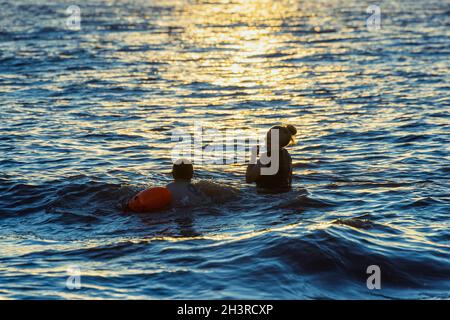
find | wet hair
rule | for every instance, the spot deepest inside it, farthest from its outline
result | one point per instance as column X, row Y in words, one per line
column 288, row 131
column 182, row 169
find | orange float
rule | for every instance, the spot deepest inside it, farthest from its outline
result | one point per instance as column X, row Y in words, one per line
column 150, row 200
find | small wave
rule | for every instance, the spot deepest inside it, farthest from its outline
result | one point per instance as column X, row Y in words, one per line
column 107, row 252
column 369, row 184
column 355, row 223
column 366, row 222
column 304, row 201
column 422, row 202
column 338, row 259
column 411, row 138
column 92, row 197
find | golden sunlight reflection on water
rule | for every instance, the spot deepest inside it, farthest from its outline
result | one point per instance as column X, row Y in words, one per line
column 89, row 117
column 238, row 44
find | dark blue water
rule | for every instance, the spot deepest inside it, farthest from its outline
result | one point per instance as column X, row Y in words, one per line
column 86, row 121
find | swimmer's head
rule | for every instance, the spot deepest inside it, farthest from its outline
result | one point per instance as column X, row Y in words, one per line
column 182, row 170
column 286, row 135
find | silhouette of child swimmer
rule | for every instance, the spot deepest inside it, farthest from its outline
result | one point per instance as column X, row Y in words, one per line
column 281, row 180
column 183, row 192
